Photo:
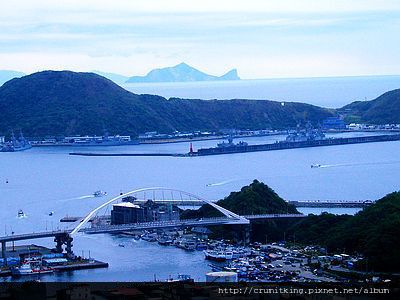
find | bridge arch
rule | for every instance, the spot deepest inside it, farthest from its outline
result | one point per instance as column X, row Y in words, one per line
column 86, row 219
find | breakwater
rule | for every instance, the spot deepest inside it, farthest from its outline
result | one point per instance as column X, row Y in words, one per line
column 123, row 154
column 293, row 145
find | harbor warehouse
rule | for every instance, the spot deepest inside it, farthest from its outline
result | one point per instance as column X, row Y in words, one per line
column 127, row 212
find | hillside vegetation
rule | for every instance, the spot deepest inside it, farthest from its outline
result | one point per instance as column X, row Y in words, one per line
column 253, row 199
column 383, row 110
column 374, row 232
column 66, row 103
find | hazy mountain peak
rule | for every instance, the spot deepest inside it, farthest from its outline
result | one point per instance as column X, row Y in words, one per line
column 181, row 73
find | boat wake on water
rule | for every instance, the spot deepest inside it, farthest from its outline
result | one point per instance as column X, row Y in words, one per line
column 355, row 164
column 79, row 198
column 98, row 193
column 222, row 182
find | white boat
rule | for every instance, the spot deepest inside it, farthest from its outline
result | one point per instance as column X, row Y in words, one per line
column 26, row 269
column 189, row 245
column 21, row 214
column 181, row 278
column 218, row 255
column 99, row 193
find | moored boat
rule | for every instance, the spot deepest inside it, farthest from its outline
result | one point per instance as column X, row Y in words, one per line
column 218, row 255
column 27, row 269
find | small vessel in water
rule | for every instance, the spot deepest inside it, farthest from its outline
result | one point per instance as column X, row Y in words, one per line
column 315, row 166
column 21, row 214
column 51, row 213
column 99, row 193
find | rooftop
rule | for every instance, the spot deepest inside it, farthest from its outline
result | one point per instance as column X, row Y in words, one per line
column 126, row 204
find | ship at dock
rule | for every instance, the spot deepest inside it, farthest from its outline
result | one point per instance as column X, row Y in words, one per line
column 301, row 138
column 15, row 144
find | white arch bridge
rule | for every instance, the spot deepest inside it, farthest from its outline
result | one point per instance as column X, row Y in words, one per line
column 167, row 196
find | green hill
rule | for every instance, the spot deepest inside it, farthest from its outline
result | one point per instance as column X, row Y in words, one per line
column 383, row 110
column 256, row 198
column 374, row 232
column 65, row 103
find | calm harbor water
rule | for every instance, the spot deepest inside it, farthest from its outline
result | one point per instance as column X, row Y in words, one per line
column 41, row 180
column 331, row 92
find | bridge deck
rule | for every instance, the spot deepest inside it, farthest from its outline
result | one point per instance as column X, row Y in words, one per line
column 34, row 235
column 274, row 216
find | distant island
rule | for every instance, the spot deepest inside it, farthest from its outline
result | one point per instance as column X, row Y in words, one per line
column 181, row 73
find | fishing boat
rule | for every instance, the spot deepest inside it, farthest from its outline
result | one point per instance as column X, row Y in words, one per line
column 189, row 245
column 164, row 241
column 27, row 269
column 181, row 278
column 149, row 237
column 201, row 246
column 218, row 255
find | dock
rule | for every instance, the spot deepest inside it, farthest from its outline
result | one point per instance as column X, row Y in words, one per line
column 95, row 264
column 283, row 145
column 332, row 203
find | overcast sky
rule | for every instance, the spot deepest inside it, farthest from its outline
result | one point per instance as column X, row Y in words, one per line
column 262, row 39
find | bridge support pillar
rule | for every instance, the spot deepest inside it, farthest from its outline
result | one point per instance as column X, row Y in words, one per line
column 246, row 234
column 241, row 234
column 4, row 252
column 68, row 248
column 59, row 243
